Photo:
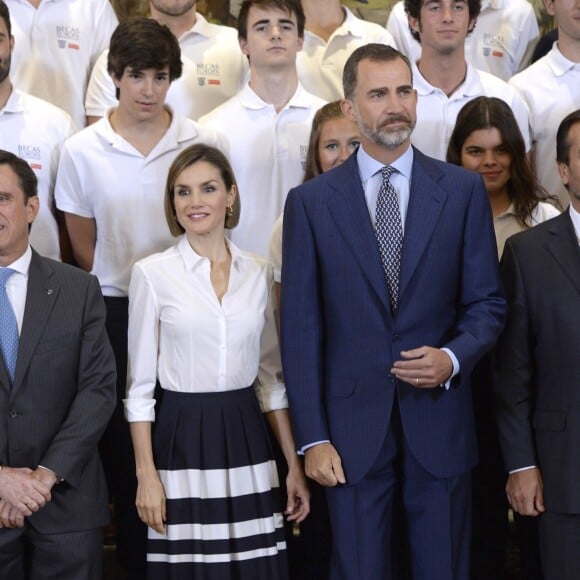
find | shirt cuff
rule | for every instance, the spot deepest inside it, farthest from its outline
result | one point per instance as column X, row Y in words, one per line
column 455, row 370
column 139, row 410
column 522, row 469
column 305, row 448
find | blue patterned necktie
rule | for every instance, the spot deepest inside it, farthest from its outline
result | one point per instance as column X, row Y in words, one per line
column 389, row 232
column 8, row 325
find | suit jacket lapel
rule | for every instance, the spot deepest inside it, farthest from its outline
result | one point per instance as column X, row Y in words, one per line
column 40, row 298
column 349, row 210
column 425, row 204
column 563, row 245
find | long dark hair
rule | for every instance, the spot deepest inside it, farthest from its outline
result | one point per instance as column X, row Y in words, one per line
column 491, row 113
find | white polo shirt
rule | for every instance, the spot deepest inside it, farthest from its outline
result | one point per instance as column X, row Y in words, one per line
column 56, row 46
column 551, row 89
column 320, row 64
column 214, row 69
column 35, row 131
column 502, row 43
column 104, row 177
column 437, row 113
column 267, row 151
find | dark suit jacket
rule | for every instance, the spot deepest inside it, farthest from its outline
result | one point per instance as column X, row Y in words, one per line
column 339, row 338
column 63, row 394
column 537, row 361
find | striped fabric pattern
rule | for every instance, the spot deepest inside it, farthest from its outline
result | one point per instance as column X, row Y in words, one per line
column 224, row 517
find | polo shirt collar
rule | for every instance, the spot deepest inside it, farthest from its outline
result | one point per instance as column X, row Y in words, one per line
column 250, row 100
column 492, row 5
column 471, row 86
column 351, row 26
column 178, row 131
column 559, row 64
column 201, row 28
column 14, row 102
column 510, row 211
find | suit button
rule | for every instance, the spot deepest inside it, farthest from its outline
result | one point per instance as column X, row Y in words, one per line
column 13, row 414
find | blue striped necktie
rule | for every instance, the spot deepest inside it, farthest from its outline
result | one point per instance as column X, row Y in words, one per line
column 8, row 325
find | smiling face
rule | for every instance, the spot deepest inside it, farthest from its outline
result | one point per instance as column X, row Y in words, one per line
column 142, row 93
column 339, row 137
column 384, row 106
column 16, row 213
column 485, row 153
column 442, row 25
column 272, row 37
column 200, row 198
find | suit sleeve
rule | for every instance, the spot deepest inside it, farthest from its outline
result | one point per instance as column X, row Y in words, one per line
column 514, row 371
column 91, row 408
column 482, row 306
column 301, row 326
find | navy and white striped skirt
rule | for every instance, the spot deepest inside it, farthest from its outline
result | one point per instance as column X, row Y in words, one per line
column 224, row 519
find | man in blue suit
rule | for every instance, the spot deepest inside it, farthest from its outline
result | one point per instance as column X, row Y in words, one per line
column 390, row 295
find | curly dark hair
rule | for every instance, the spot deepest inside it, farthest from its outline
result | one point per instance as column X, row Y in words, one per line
column 413, row 8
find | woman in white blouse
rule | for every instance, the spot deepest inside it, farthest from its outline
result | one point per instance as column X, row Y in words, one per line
column 486, row 139
column 201, row 325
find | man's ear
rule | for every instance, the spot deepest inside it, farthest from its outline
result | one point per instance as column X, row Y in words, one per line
column 549, row 4
column 244, row 46
column 564, row 173
column 347, row 108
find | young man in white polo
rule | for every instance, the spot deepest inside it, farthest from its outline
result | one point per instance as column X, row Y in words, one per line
column 214, row 68
column 57, row 44
column 267, row 124
column 444, row 80
column 501, row 44
column 332, row 33
column 35, row 131
column 551, row 89
column 110, row 184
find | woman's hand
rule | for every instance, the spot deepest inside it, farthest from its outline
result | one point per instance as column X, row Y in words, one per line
column 298, row 506
column 150, row 501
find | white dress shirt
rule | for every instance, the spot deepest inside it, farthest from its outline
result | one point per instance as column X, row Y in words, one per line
column 17, row 286
column 575, row 217
column 180, row 333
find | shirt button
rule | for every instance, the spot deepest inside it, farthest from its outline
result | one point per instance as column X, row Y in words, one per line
column 13, row 414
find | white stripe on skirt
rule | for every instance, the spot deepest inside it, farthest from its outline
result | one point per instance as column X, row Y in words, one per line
column 219, row 483
column 208, row 532
column 217, row 558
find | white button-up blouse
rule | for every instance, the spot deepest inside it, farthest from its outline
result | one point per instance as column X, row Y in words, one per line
column 180, row 333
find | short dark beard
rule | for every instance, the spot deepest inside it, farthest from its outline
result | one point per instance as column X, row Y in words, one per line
column 5, row 69
column 180, row 12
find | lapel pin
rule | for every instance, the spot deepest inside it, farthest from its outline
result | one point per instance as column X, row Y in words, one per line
column 49, row 291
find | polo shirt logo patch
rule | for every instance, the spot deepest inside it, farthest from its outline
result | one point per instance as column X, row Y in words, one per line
column 31, row 154
column 208, row 70
column 493, row 44
column 68, row 37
